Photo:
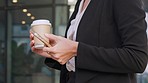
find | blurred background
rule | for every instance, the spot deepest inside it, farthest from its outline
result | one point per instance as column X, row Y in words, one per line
column 17, row 63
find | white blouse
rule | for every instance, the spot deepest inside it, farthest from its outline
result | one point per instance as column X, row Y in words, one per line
column 72, row 31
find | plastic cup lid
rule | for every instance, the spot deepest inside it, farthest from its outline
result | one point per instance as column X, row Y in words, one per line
column 41, row 21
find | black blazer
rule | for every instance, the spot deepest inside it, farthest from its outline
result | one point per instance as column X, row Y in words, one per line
column 112, row 42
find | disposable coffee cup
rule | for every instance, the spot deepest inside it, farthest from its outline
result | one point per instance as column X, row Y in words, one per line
column 39, row 28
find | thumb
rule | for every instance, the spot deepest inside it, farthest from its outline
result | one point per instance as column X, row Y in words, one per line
column 51, row 37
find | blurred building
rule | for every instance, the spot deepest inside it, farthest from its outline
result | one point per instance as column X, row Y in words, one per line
column 17, row 63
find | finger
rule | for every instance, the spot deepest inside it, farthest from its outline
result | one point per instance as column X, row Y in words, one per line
column 51, row 55
column 61, row 62
column 51, row 37
column 31, row 36
column 32, row 43
column 32, row 48
column 49, row 50
column 35, row 50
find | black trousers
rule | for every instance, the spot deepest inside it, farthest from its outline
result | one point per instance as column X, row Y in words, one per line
column 71, row 77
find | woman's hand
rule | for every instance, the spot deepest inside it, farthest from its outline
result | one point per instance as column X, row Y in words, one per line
column 38, row 51
column 62, row 49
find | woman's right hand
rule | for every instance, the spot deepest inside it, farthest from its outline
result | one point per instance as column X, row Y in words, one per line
column 38, row 51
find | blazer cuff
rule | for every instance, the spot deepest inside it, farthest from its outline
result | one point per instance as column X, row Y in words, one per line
column 52, row 63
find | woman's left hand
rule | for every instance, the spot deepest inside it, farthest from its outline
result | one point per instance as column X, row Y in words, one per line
column 62, row 49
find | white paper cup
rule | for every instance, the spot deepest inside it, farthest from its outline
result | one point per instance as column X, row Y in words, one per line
column 40, row 27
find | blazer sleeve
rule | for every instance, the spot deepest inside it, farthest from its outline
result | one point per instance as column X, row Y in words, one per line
column 52, row 63
column 132, row 56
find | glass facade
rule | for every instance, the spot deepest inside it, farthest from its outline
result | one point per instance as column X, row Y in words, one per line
column 61, row 19
column 2, row 46
column 18, row 64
